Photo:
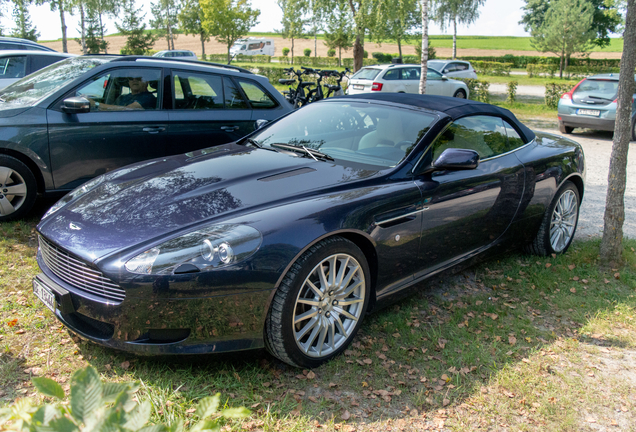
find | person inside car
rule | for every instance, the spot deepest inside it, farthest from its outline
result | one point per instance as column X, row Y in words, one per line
column 138, row 98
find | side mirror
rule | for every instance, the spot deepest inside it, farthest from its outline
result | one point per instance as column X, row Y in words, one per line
column 76, row 105
column 260, row 123
column 454, row 159
column 444, row 78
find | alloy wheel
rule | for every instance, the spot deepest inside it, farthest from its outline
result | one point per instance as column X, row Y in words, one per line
column 563, row 221
column 329, row 305
column 13, row 191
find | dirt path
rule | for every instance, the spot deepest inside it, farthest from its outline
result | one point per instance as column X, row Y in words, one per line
column 193, row 43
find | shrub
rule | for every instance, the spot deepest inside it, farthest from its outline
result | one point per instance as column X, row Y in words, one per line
column 512, row 91
column 553, row 92
column 307, row 52
column 285, row 52
column 478, row 90
column 331, row 53
column 95, row 405
column 491, row 68
column 365, row 54
column 432, row 54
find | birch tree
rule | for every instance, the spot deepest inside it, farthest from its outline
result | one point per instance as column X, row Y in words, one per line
column 451, row 12
column 63, row 7
column 424, row 71
column 612, row 243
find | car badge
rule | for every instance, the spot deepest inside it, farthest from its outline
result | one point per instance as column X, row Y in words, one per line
column 74, row 227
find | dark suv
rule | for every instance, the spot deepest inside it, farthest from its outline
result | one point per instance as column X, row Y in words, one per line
column 85, row 116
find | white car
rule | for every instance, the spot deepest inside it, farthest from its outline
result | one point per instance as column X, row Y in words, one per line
column 453, row 68
column 15, row 64
column 401, row 78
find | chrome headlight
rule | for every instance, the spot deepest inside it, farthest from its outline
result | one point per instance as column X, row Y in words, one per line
column 205, row 249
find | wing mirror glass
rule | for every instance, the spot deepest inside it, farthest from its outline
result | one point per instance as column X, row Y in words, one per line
column 76, row 105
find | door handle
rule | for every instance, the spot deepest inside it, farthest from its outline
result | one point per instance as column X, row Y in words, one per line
column 229, row 128
column 154, row 130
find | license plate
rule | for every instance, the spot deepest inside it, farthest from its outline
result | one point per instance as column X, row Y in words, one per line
column 358, row 87
column 594, row 113
column 44, row 294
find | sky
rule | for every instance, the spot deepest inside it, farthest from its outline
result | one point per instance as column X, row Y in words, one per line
column 497, row 18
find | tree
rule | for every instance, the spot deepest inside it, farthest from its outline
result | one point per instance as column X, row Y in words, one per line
column 394, row 19
column 24, row 28
column 80, row 5
column 606, row 19
column 94, row 40
column 339, row 33
column 612, row 242
column 424, row 70
column 138, row 41
column 317, row 22
column 165, row 13
column 103, row 8
column 450, row 12
column 566, row 30
column 191, row 21
column 62, row 6
column 228, row 20
column 293, row 21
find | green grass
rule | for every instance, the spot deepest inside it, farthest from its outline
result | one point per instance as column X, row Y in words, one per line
column 455, row 345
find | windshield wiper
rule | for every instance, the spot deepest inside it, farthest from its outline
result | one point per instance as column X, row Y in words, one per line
column 599, row 97
column 253, row 142
column 314, row 154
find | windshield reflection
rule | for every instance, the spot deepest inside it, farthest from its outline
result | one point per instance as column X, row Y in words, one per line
column 355, row 132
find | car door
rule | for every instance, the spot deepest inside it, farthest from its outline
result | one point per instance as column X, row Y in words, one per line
column 113, row 133
column 411, row 79
column 208, row 110
column 466, row 211
column 434, row 83
column 392, row 81
column 12, row 69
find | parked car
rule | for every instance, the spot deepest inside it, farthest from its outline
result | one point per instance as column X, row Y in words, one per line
column 85, row 116
column 11, row 43
column 16, row 64
column 453, row 68
column 592, row 104
column 396, row 78
column 288, row 237
column 176, row 53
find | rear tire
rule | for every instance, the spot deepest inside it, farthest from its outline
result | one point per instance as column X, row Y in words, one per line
column 18, row 188
column 319, row 305
column 461, row 94
column 559, row 223
column 566, row 129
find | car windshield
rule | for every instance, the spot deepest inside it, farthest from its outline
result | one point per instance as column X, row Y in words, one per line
column 435, row 64
column 350, row 132
column 597, row 89
column 33, row 88
column 366, row 74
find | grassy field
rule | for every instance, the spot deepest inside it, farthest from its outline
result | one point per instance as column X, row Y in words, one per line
column 519, row 343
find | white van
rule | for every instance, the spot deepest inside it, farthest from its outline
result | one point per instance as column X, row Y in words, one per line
column 253, row 46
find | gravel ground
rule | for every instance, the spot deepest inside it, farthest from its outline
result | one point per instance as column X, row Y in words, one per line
column 597, row 147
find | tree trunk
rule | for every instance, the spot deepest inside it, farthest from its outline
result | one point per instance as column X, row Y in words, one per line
column 202, row 46
column 454, row 37
column 83, row 26
column 101, row 30
column 358, row 53
column 292, row 51
column 399, row 41
column 315, row 42
column 612, row 243
column 424, row 47
column 229, row 58
column 60, row 6
column 339, row 56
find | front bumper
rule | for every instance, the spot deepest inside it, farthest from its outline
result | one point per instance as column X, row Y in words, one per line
column 157, row 326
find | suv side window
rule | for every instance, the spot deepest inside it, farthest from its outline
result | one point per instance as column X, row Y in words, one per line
column 195, row 91
column 13, row 67
column 258, row 97
column 233, row 96
column 392, row 74
column 484, row 134
column 123, row 90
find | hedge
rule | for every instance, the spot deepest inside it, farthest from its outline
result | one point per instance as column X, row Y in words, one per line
column 491, row 68
column 523, row 61
column 553, row 92
column 570, row 72
column 477, row 89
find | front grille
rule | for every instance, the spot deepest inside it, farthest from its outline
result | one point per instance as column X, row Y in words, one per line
column 78, row 274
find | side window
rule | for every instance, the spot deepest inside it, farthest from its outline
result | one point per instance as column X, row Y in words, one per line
column 13, row 67
column 40, row 61
column 433, row 75
column 197, row 91
column 258, row 98
column 232, row 95
column 393, row 74
column 461, row 66
column 514, row 139
column 123, row 90
column 451, row 67
column 411, row 74
column 484, row 134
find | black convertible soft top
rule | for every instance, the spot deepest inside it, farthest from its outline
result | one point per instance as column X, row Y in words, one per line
column 454, row 107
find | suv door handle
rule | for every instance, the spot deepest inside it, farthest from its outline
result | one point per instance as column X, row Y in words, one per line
column 154, row 130
column 229, row 128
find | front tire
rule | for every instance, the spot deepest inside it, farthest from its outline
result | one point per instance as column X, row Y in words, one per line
column 559, row 223
column 320, row 304
column 565, row 129
column 18, row 188
column 461, row 94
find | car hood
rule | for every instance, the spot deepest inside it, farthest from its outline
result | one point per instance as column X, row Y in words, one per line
column 164, row 196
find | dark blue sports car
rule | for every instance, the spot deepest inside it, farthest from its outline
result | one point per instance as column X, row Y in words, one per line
column 288, row 237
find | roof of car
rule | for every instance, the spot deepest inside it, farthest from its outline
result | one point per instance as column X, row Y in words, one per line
column 453, row 107
column 5, row 53
column 611, row 76
column 24, row 42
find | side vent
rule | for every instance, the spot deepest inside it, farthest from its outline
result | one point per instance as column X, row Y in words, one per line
column 287, row 174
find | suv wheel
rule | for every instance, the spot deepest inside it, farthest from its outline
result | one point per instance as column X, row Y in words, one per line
column 18, row 188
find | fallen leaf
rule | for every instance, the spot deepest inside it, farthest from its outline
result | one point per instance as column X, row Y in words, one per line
column 125, row 365
column 573, row 290
column 571, row 266
column 575, row 278
column 445, row 402
column 191, row 410
column 332, row 384
column 590, row 420
column 346, row 415
column 365, row 384
column 311, row 375
column 396, row 335
column 267, row 384
column 21, row 331
column 512, row 340
column 548, row 265
column 478, row 302
column 367, row 361
column 313, row 399
column 13, row 322
column 617, row 275
column 614, row 423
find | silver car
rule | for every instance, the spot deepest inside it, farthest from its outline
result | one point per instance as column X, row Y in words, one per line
column 453, row 68
column 399, row 78
column 15, row 64
column 591, row 104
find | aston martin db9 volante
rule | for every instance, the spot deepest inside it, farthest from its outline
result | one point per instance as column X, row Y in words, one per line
column 288, row 237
